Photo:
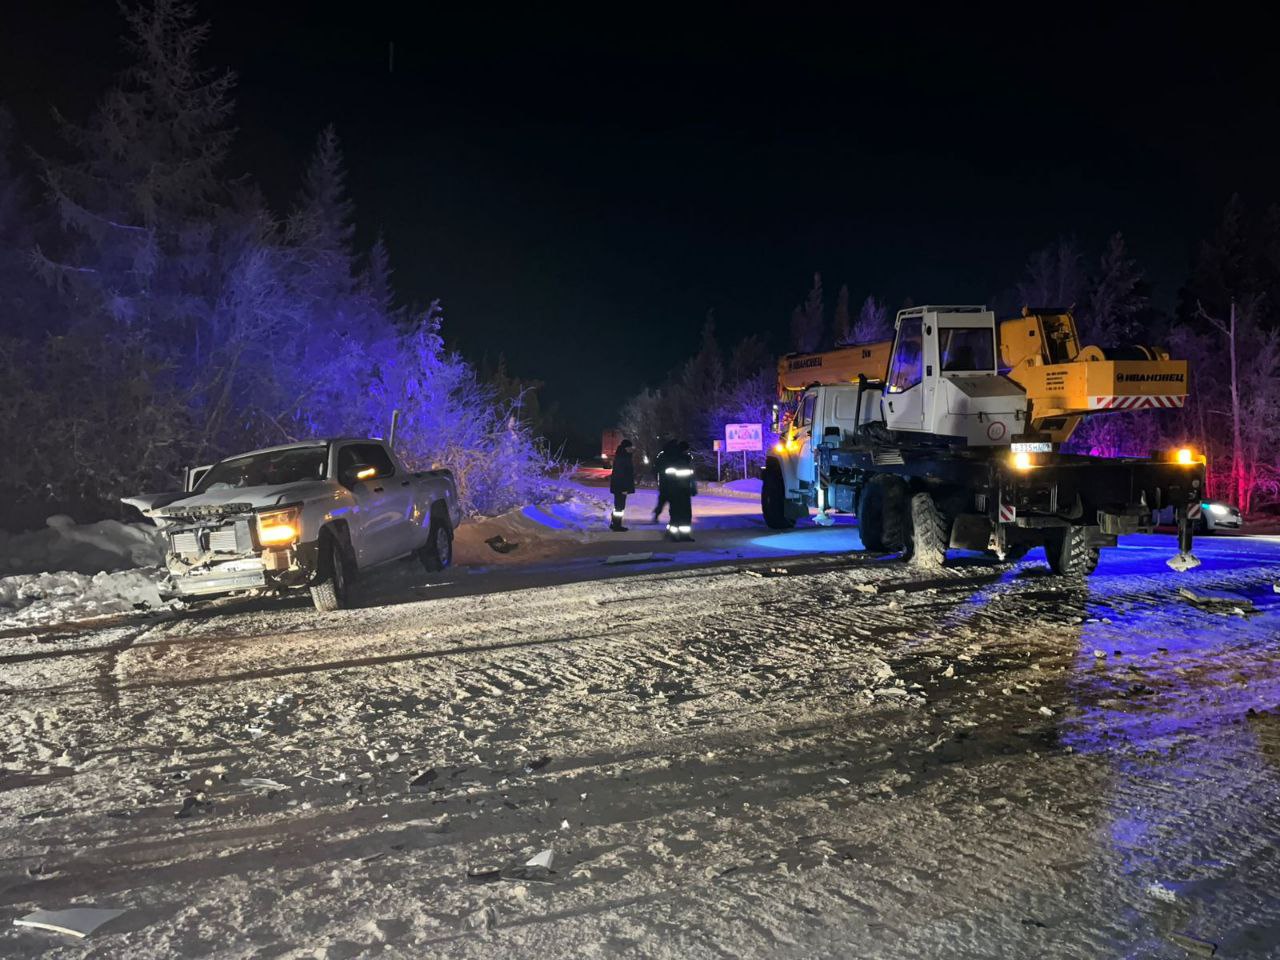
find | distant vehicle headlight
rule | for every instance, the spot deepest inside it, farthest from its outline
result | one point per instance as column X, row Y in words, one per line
column 279, row 528
column 1217, row 509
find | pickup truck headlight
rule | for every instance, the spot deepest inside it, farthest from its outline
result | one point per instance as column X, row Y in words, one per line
column 279, row 528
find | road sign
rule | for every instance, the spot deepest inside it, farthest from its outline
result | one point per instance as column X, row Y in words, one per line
column 743, row 436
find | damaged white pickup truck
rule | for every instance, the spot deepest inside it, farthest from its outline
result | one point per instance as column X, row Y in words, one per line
column 307, row 515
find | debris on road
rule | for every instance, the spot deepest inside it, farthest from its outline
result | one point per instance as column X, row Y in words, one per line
column 262, row 783
column 542, row 859
column 1218, row 601
column 537, row 764
column 623, row 558
column 423, row 781
column 483, row 919
column 1202, row 948
column 190, row 805
column 75, row 922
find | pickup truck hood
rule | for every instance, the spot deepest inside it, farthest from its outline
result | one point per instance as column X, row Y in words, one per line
column 237, row 500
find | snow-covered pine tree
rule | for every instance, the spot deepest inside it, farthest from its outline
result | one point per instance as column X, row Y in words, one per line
column 842, row 325
column 1055, row 277
column 1117, row 298
column 873, row 323
column 808, row 320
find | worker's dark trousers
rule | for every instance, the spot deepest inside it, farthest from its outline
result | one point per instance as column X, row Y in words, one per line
column 681, row 510
column 663, row 497
column 619, row 508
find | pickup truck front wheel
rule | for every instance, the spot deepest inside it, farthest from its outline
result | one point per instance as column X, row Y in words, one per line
column 329, row 592
column 437, row 553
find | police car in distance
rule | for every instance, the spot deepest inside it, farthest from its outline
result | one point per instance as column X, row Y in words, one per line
column 1214, row 515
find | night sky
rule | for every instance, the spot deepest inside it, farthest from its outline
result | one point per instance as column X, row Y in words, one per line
column 579, row 191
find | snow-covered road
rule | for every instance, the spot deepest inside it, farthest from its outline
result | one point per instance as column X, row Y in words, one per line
column 726, row 757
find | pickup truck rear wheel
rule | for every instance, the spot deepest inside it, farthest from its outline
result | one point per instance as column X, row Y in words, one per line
column 773, row 498
column 437, row 553
column 329, row 592
column 1068, row 552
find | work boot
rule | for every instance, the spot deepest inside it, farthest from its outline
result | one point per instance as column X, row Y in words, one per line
column 617, row 525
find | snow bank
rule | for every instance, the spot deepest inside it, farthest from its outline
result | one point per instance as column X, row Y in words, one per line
column 745, row 485
column 33, row 599
column 81, row 548
column 541, row 531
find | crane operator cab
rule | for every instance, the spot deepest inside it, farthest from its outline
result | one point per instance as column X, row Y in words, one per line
column 944, row 380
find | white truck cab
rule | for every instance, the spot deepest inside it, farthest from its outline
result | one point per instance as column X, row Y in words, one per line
column 944, row 379
column 942, row 386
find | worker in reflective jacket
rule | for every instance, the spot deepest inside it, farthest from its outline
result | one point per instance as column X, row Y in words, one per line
column 681, row 489
column 621, row 482
column 660, row 463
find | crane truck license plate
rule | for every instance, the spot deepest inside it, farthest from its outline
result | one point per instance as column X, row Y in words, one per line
column 1037, row 447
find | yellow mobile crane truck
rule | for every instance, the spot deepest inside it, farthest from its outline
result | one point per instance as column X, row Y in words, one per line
column 935, row 442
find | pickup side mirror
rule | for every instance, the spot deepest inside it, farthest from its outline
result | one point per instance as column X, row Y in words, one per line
column 356, row 473
column 193, row 475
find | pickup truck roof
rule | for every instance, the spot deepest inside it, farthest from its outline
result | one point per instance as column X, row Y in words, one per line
column 303, row 444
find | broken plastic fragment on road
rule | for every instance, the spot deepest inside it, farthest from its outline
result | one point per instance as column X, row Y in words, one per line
column 75, row 921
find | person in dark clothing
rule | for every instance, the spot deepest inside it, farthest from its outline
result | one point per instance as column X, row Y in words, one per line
column 681, row 489
column 621, row 482
column 660, row 464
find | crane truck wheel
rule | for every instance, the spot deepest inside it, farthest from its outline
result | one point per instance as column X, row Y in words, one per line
column 773, row 498
column 930, row 533
column 895, row 507
column 871, row 518
column 1069, row 554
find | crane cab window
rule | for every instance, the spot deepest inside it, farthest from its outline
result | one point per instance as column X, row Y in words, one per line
column 908, row 356
column 966, row 348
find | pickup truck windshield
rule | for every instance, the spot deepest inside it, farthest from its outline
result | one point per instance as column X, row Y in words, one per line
column 266, row 469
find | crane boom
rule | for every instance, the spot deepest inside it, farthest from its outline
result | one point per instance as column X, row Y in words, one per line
column 1041, row 352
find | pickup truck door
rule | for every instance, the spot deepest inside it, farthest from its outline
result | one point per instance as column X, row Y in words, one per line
column 384, row 503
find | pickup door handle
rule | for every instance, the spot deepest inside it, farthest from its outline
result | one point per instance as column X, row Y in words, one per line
column 377, row 489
